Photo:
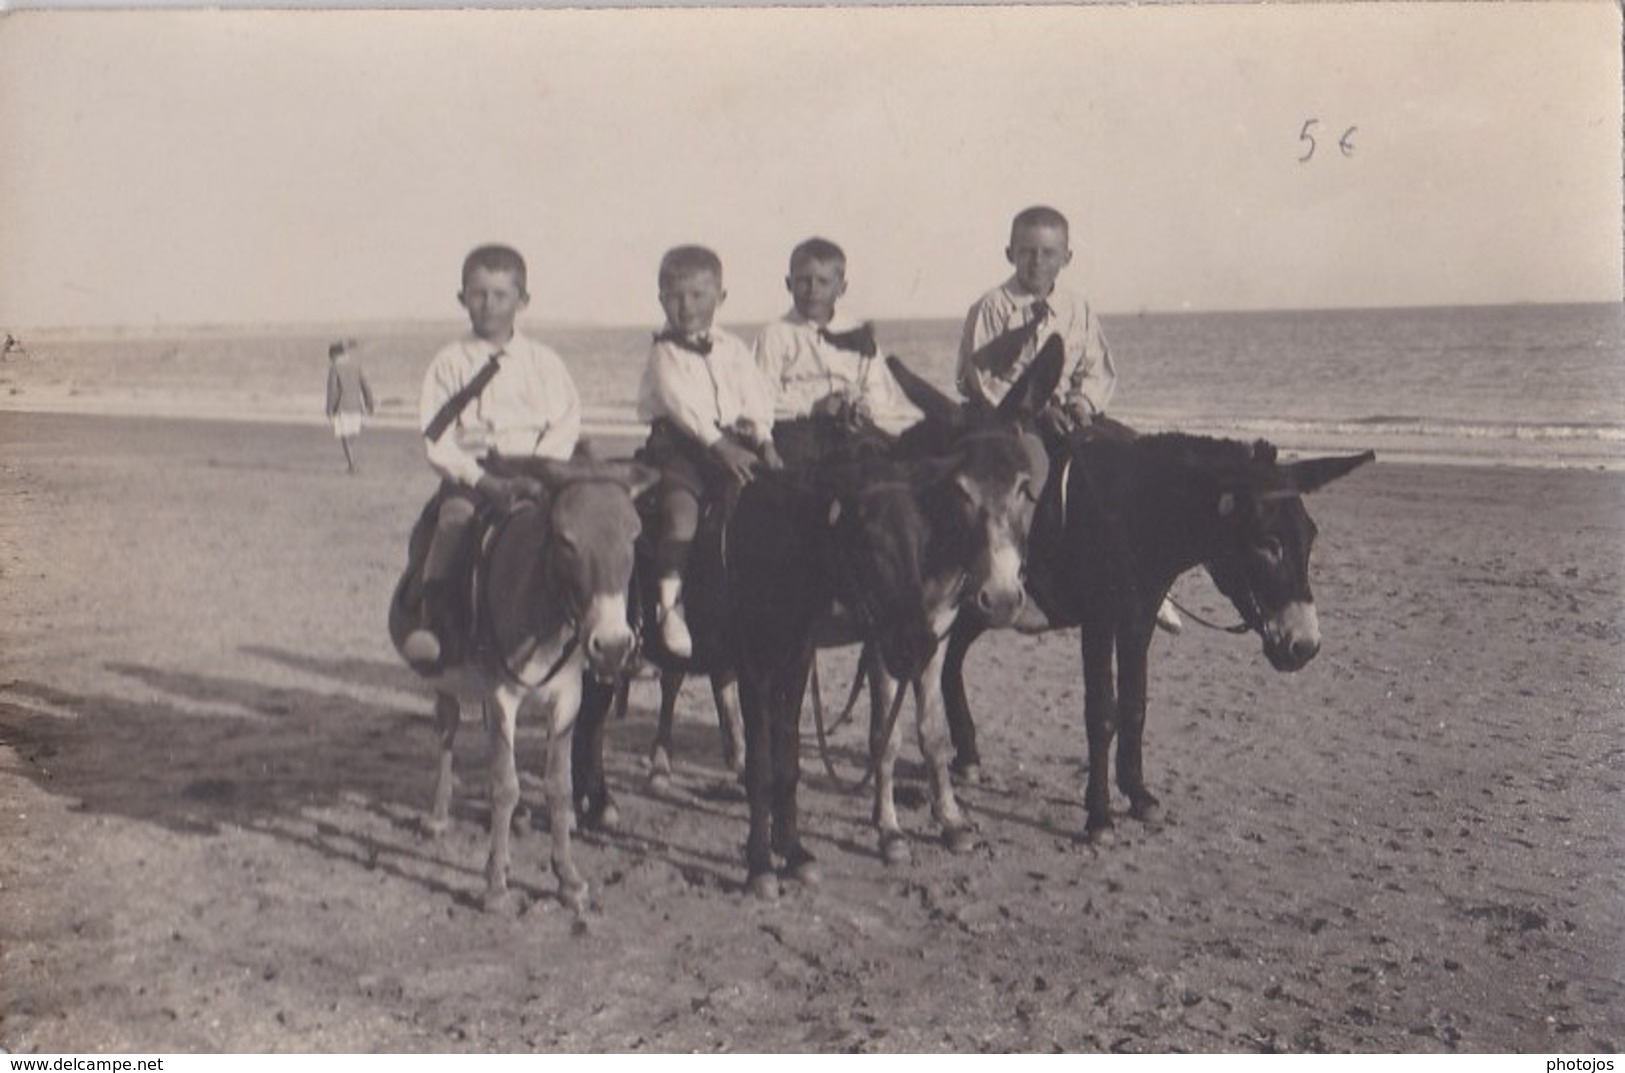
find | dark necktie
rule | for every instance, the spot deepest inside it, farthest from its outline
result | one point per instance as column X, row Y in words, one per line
column 1000, row 355
column 860, row 340
column 700, row 344
column 454, row 405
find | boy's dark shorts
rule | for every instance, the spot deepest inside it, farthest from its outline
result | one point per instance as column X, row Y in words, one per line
column 684, row 463
column 458, row 490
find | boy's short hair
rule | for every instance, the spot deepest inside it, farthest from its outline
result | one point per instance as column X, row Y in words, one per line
column 1039, row 216
column 686, row 260
column 820, row 250
column 496, row 258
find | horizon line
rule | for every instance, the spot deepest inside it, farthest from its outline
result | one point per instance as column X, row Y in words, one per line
column 301, row 327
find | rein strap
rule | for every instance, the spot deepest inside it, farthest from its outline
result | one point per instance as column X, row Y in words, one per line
column 1240, row 627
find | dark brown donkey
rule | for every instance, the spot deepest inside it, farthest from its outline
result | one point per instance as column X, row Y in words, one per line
column 1119, row 521
column 910, row 544
column 881, row 550
column 548, row 607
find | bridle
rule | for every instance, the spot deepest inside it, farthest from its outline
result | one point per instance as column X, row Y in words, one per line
column 1252, row 617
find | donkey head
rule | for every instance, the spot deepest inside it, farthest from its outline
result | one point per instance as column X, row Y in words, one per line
column 1261, row 561
column 592, row 528
column 878, row 551
column 984, row 491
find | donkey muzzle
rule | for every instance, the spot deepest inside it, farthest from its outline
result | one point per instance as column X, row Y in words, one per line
column 1292, row 636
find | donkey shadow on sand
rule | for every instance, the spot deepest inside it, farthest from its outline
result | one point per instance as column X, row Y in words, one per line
column 336, row 769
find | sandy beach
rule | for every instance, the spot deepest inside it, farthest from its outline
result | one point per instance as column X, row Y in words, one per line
column 212, row 765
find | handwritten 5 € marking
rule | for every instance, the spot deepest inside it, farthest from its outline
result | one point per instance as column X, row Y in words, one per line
column 1345, row 144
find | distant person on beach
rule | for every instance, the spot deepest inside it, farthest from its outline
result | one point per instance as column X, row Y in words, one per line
column 1008, row 325
column 711, row 419
column 821, row 363
column 349, row 396
column 494, row 391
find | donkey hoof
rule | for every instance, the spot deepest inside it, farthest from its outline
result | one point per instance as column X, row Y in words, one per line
column 1100, row 834
column 763, row 886
column 573, row 896
column 894, row 848
column 1147, row 809
column 433, row 826
column 500, row 902
column 607, row 818
column 660, row 782
column 958, row 839
column 804, row 872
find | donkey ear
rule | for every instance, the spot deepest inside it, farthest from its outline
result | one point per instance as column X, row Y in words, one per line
column 923, row 394
column 1312, row 474
column 1037, row 382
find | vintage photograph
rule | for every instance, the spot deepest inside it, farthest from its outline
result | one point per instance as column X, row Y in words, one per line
column 1067, row 528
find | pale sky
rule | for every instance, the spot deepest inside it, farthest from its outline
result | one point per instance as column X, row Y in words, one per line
column 230, row 167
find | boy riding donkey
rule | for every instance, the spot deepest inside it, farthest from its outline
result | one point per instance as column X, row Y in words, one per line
column 1009, row 324
column 833, row 393
column 493, row 392
column 711, row 416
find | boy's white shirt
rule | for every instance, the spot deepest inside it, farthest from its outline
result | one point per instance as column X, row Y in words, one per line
column 803, row 368
column 704, row 394
column 1090, row 374
column 530, row 408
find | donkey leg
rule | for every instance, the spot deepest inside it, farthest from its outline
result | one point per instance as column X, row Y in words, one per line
column 753, row 697
column 560, row 704
column 967, row 762
column 446, row 717
column 883, row 761
column 1099, row 719
column 594, row 806
column 671, row 685
column 725, row 691
column 501, row 718
column 932, row 728
column 792, row 688
column 1131, row 678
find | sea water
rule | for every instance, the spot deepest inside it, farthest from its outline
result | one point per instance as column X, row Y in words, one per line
column 1518, row 384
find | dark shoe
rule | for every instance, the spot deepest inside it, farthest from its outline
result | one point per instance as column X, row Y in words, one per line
column 423, row 647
